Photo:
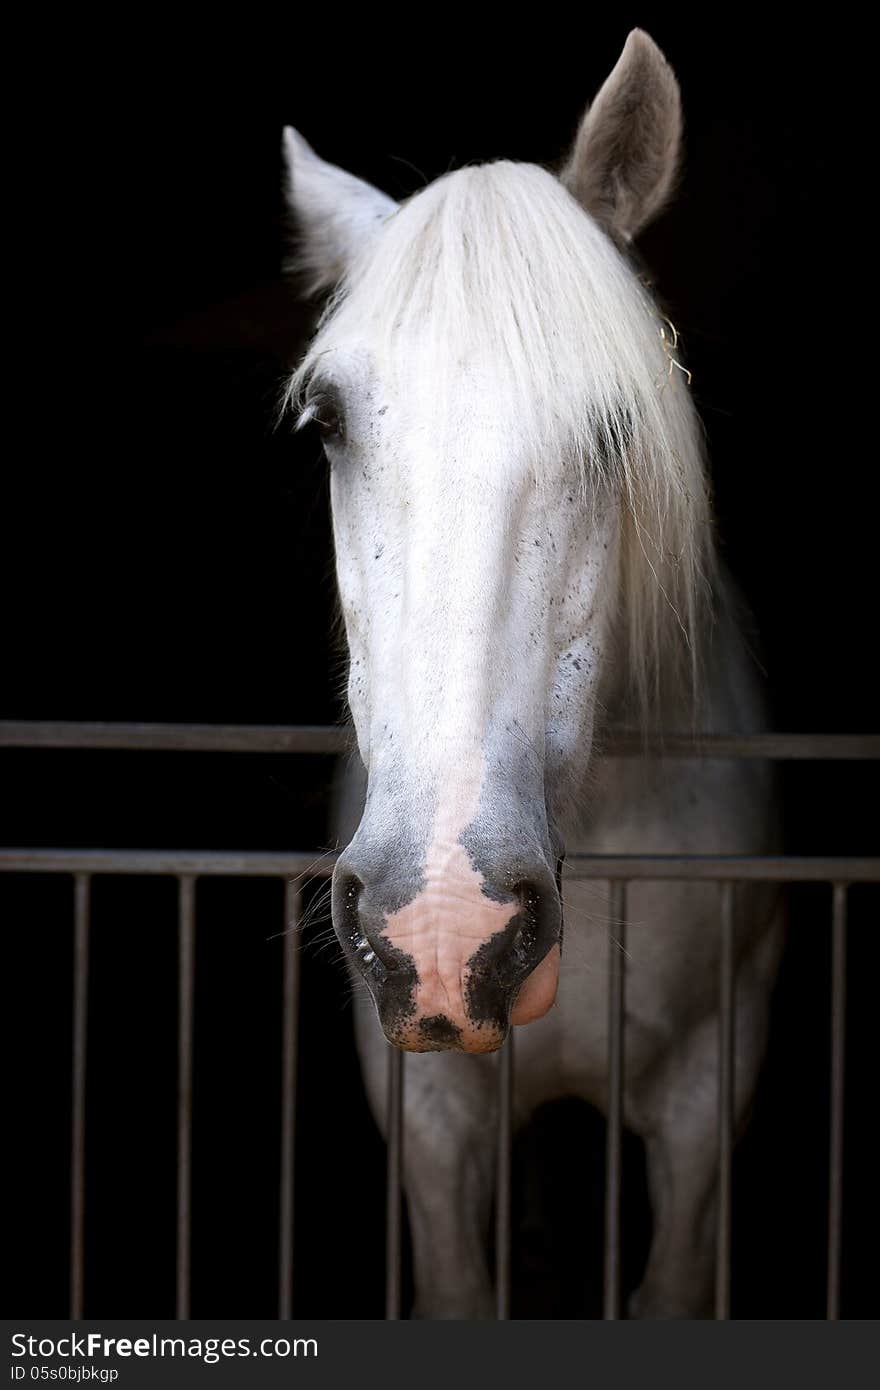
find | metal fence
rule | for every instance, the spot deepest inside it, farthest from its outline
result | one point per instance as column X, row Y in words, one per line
column 292, row 869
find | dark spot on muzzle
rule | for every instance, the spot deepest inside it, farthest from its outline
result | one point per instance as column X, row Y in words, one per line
column 439, row 1031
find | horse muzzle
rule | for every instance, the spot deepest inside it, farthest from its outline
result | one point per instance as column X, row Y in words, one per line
column 457, row 956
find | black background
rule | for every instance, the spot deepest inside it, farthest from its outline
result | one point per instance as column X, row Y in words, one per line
column 166, row 556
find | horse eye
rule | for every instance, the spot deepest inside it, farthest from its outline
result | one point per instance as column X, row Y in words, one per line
column 329, row 424
column 325, row 410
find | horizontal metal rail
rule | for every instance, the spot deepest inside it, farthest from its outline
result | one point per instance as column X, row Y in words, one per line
column 331, row 738
column 702, row 867
column 178, row 738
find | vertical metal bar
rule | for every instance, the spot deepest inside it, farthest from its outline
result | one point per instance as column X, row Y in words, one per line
column 726, row 1116
column 81, row 892
column 614, row 1139
column 289, row 1045
column 394, row 1193
column 838, row 1063
column 186, row 994
column 503, row 1182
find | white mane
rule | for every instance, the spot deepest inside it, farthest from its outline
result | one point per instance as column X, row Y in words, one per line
column 499, row 269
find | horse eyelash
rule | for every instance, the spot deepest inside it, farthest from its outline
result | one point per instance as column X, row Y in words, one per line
column 312, row 410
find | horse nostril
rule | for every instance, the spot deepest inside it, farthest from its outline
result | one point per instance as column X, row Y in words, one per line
column 347, row 889
column 375, row 949
column 361, row 926
column 530, row 899
column 530, row 905
column 534, row 927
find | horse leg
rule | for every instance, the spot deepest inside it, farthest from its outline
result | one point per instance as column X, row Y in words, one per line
column 681, row 1142
column 449, row 1153
column 682, row 1164
column 449, row 1145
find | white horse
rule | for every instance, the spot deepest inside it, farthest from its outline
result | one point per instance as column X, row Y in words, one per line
column 524, row 553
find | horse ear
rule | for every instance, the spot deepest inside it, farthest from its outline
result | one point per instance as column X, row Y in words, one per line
column 334, row 214
column 625, row 156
